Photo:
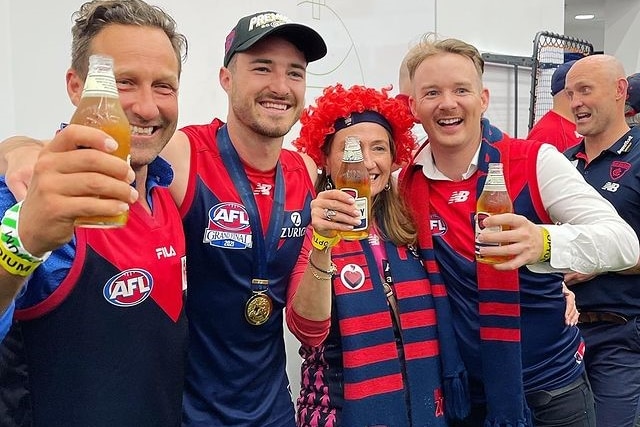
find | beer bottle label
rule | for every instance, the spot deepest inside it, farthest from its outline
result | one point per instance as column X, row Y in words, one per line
column 99, row 84
column 362, row 204
column 480, row 217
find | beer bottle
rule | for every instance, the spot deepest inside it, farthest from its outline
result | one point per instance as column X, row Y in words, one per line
column 353, row 178
column 493, row 200
column 100, row 108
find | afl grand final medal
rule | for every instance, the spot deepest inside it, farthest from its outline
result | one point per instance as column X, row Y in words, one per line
column 258, row 308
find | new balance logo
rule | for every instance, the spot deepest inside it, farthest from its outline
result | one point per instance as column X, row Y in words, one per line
column 611, row 187
column 458, row 197
column 262, row 189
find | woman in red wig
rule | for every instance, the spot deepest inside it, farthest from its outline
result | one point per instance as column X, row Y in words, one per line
column 376, row 339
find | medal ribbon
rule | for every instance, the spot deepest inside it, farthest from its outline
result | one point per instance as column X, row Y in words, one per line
column 265, row 249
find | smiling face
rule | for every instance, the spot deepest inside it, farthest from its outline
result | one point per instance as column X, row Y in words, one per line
column 449, row 100
column 266, row 86
column 376, row 149
column 147, row 76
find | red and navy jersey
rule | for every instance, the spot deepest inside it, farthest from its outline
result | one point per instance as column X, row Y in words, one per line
column 555, row 130
column 236, row 371
column 615, row 173
column 548, row 346
column 108, row 346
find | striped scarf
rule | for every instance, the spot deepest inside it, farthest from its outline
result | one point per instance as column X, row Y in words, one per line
column 498, row 293
column 375, row 390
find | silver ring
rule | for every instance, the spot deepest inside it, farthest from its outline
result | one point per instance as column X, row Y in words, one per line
column 329, row 214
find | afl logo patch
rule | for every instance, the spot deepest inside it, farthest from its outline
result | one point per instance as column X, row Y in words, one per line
column 352, row 277
column 437, row 225
column 229, row 217
column 128, row 288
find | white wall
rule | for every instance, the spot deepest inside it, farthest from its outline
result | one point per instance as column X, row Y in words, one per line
column 7, row 121
column 622, row 33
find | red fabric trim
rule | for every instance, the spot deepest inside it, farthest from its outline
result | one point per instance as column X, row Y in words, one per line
column 369, row 355
column 420, row 350
column 373, row 387
column 500, row 334
column 439, row 290
column 414, row 288
column 193, row 163
column 367, row 323
column 418, row 319
column 499, row 309
column 64, row 289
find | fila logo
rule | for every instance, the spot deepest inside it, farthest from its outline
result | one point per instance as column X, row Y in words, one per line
column 611, row 187
column 164, row 252
column 459, row 197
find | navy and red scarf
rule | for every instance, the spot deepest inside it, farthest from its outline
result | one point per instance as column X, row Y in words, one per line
column 375, row 390
column 498, row 292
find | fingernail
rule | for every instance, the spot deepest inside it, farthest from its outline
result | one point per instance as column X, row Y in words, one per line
column 134, row 195
column 131, row 176
column 110, row 144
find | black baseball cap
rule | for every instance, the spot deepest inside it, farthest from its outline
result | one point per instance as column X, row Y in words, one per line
column 253, row 28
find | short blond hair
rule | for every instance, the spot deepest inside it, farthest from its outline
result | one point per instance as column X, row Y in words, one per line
column 430, row 46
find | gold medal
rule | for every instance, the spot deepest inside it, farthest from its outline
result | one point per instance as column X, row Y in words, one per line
column 258, row 308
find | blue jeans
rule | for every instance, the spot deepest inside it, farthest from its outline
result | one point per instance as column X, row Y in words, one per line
column 570, row 406
column 612, row 360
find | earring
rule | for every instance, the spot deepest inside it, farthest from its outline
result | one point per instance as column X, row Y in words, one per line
column 387, row 187
column 329, row 184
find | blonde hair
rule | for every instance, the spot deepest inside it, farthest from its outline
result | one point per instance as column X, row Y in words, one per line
column 430, row 46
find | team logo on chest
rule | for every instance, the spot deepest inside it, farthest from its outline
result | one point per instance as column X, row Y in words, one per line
column 617, row 169
column 437, row 225
column 228, row 227
column 128, row 288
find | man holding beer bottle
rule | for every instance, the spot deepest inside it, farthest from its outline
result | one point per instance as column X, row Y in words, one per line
column 99, row 333
column 524, row 365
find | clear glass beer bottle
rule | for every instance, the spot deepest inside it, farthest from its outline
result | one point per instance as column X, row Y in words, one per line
column 353, row 178
column 100, row 108
column 493, row 200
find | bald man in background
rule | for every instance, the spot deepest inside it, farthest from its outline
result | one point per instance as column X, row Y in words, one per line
column 609, row 159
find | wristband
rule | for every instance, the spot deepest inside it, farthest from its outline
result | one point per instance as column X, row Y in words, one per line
column 546, row 246
column 14, row 264
column 333, row 269
column 10, row 238
column 322, row 243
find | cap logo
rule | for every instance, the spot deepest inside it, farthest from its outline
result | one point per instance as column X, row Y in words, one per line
column 267, row 19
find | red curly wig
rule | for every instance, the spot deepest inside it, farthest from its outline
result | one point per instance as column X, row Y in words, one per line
column 336, row 102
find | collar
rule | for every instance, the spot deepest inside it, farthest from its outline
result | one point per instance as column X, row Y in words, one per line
column 159, row 172
column 431, row 171
column 622, row 146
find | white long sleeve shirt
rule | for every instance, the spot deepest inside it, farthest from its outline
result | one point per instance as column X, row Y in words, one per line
column 588, row 235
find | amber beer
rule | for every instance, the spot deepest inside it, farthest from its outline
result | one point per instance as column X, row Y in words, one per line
column 353, row 178
column 493, row 200
column 100, row 108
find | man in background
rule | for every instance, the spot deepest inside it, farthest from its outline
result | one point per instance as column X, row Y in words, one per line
column 609, row 303
column 632, row 106
column 557, row 127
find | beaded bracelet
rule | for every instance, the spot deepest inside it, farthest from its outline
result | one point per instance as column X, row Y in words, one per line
column 333, row 269
column 323, row 243
column 14, row 264
column 546, row 246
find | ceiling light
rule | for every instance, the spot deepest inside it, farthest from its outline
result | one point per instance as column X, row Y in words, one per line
column 585, row 17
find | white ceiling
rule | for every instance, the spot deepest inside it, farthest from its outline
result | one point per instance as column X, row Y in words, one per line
column 591, row 30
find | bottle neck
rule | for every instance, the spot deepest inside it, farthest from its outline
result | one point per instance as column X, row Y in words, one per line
column 100, row 82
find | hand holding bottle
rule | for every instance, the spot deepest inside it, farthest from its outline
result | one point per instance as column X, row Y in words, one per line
column 65, row 184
